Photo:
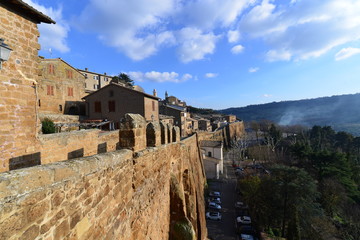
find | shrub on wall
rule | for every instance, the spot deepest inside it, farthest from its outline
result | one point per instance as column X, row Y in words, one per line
column 48, row 126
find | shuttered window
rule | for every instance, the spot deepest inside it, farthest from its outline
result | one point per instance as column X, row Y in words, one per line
column 51, row 69
column 50, row 90
column 70, row 92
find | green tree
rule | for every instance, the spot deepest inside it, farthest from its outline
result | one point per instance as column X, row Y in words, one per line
column 123, row 78
column 293, row 231
column 48, row 126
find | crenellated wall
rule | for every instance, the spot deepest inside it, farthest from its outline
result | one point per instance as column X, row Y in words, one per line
column 151, row 193
column 62, row 146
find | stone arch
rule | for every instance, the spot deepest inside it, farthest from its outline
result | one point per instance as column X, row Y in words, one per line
column 150, row 135
column 153, row 135
column 186, row 180
column 176, row 134
column 73, row 110
column 163, row 129
column 169, row 132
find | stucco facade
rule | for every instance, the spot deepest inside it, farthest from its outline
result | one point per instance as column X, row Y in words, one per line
column 94, row 81
column 214, row 149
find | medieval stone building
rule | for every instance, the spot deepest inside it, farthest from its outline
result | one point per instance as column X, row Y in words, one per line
column 113, row 101
column 60, row 88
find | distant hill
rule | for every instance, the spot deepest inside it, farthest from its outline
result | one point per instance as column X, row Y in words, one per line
column 341, row 112
column 203, row 111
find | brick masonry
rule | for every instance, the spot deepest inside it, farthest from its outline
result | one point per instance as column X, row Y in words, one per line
column 18, row 78
column 118, row 195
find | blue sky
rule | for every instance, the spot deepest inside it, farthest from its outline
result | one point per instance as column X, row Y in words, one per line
column 212, row 53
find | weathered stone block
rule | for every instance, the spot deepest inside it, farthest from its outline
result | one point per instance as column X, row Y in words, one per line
column 37, row 211
column 62, row 230
column 82, row 227
column 132, row 132
column 31, row 233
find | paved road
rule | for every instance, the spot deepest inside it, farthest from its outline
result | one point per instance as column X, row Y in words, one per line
column 225, row 229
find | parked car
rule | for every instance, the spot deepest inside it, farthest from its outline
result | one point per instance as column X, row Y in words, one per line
column 246, row 237
column 213, row 216
column 241, row 205
column 215, row 200
column 214, row 194
column 243, row 220
column 214, row 206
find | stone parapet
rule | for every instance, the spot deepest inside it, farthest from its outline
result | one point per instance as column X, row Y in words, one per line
column 132, row 133
column 117, row 195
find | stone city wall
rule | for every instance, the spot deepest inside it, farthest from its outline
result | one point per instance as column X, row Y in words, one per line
column 152, row 193
column 68, row 145
column 225, row 134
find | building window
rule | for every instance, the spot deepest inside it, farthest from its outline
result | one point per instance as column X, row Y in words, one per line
column 50, row 90
column 70, row 92
column 111, row 93
column 51, row 69
column 69, row 74
column 98, row 107
column 209, row 154
column 39, row 103
column 96, row 77
column 96, row 86
column 111, row 106
column 60, row 108
column 153, row 106
column 85, row 76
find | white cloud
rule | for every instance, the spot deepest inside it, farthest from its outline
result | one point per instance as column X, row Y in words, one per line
column 140, row 28
column 346, row 53
column 267, row 95
column 253, row 69
column 133, row 27
column 195, row 44
column 208, row 14
column 52, row 35
column 233, row 36
column 211, row 75
column 278, row 55
column 237, row 49
column 159, row 77
column 302, row 29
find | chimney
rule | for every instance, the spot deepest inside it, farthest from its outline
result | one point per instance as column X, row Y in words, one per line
column 105, row 74
column 155, row 93
column 86, row 69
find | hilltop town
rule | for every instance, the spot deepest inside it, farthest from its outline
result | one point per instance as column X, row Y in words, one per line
column 117, row 163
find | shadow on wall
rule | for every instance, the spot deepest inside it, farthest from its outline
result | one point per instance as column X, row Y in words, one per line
column 76, row 154
column 25, row 161
column 74, row 108
column 102, row 148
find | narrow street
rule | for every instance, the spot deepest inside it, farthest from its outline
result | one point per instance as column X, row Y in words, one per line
column 225, row 229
